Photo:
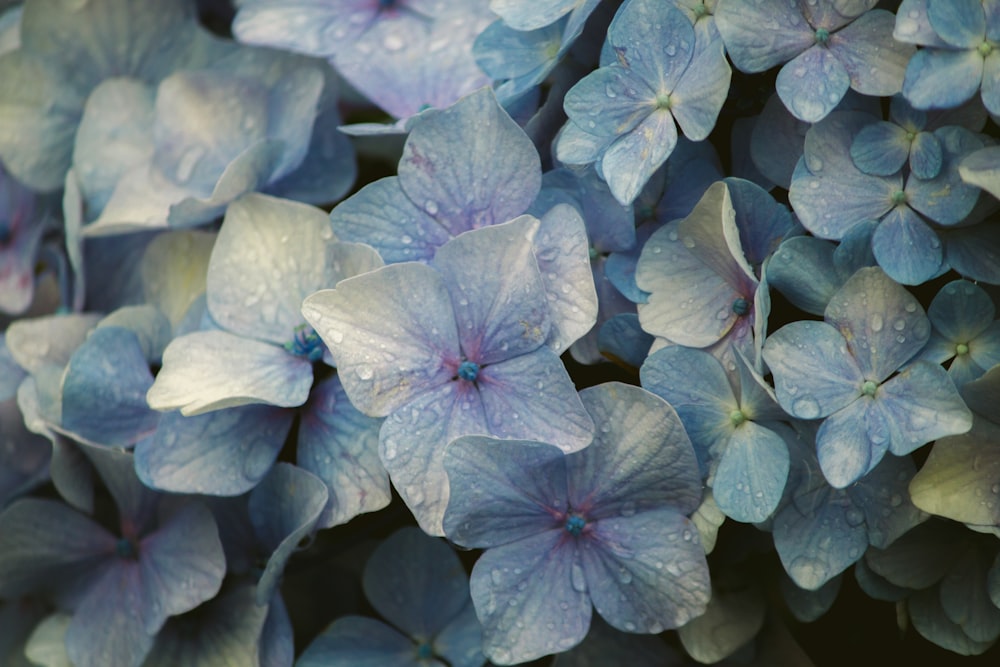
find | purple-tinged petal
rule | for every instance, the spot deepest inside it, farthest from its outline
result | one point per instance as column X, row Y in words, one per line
column 752, row 472
column 470, row 165
column 496, row 290
column 924, row 405
column 646, row 572
column 392, row 333
column 831, row 195
column 814, row 374
column 339, row 444
column 284, row 509
column 210, row 370
column 699, row 95
column 906, row 248
column 874, row 61
column 382, row 216
column 884, row 325
column 629, row 162
column 641, row 458
column 812, row 84
column 852, row 441
column 939, row 79
column 881, row 149
column 563, row 257
column 416, row 583
column 502, row 490
column 532, row 396
column 49, row 546
column 270, row 254
column 960, row 23
column 531, row 597
column 760, row 35
column 413, row 441
column 225, row 452
column 356, row 641
column 104, row 390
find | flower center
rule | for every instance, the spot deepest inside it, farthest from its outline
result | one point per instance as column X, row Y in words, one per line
column 594, row 253
column 663, row 101
column 898, row 197
column 126, row 549
column 822, row 36
column 741, row 306
column 737, row 417
column 306, row 343
column 575, row 524
column 468, row 370
column 701, row 10
column 424, row 651
column 869, row 388
column 985, row 49
column 962, row 348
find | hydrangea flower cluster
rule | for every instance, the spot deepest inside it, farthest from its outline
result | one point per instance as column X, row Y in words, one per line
column 462, row 332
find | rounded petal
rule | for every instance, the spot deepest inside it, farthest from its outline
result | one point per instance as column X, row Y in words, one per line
column 812, row 84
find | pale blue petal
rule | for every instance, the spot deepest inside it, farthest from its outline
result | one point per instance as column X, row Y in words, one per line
column 210, row 370
column 496, row 290
column 946, row 199
column 982, row 169
column 973, row 252
column 562, row 254
column 814, row 374
column 392, row 333
column 356, row 641
column 339, row 444
column 913, row 26
column 610, row 101
column 574, row 145
column 225, row 452
column 522, row 588
column 283, row 509
column 751, row 475
column 50, row 340
column 646, row 572
column 503, row 490
column 461, row 641
column 991, row 82
column 699, row 95
column 925, row 406
column 777, row 141
column 532, row 396
column 833, row 15
column 925, row 156
column 762, row 223
column 416, row 582
column 881, row 149
column 655, row 40
column 961, row 311
column 874, row 61
column 629, row 162
column 940, row 79
column 760, row 35
column 520, row 15
column 852, row 441
column 812, row 84
column 615, row 476
column 960, row 23
column 268, row 256
column 622, row 340
column 906, row 248
column 470, row 165
column 382, row 216
column 413, row 441
column 884, row 325
column 803, row 271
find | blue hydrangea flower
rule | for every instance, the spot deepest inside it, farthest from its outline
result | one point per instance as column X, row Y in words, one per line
column 827, row 46
column 831, row 195
column 961, row 53
column 730, row 425
column 403, row 55
column 120, row 588
column 844, row 370
column 883, row 148
column 419, row 587
column 820, row 530
column 658, row 70
column 604, row 528
column 451, row 348
column 67, row 49
column 964, row 332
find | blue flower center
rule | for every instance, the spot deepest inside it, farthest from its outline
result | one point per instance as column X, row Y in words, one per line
column 961, row 348
column 126, row 549
column 869, row 388
column 741, row 306
column 575, row 524
column 822, row 36
column 424, row 651
column 306, row 344
column 468, row 370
